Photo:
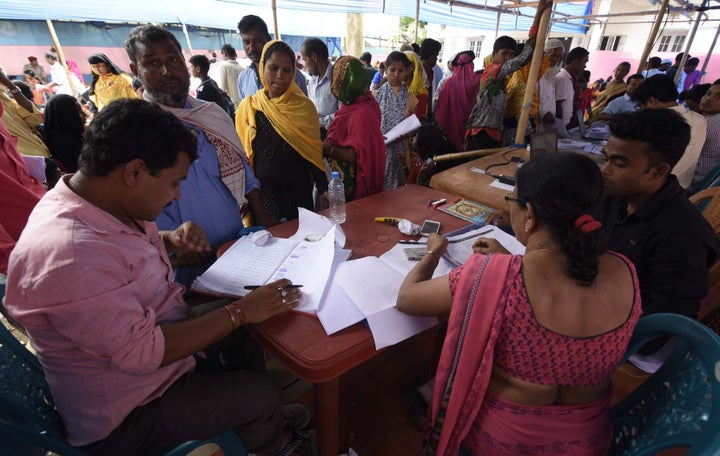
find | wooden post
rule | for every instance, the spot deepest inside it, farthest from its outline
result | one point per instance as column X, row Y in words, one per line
column 531, row 85
column 710, row 51
column 61, row 56
column 275, row 26
column 689, row 42
column 653, row 35
column 187, row 38
column 417, row 19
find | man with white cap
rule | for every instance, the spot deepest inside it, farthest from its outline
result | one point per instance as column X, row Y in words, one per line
column 554, row 51
column 665, row 65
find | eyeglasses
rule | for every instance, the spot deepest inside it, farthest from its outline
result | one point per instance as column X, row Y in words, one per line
column 512, row 199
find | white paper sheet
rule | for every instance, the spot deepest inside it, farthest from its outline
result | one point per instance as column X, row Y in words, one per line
column 244, row 263
column 337, row 311
column 377, row 302
column 458, row 253
column 407, row 126
column 396, row 259
column 497, row 184
column 312, row 224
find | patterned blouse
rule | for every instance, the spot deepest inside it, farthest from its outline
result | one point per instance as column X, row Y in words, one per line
column 528, row 351
column 392, row 109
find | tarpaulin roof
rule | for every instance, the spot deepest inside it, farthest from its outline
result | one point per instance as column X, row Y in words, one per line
column 225, row 14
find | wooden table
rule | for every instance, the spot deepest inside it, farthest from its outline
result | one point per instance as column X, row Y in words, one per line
column 461, row 181
column 299, row 341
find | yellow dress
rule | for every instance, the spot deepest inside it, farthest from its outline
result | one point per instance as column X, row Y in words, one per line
column 111, row 87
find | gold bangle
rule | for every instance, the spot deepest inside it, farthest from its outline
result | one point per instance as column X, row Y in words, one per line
column 237, row 314
column 437, row 257
column 233, row 317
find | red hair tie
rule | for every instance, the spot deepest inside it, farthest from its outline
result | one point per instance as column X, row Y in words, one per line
column 586, row 223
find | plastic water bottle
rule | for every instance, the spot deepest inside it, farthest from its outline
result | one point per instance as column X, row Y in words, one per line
column 336, row 195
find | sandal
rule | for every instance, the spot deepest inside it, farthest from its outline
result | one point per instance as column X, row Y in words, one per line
column 298, row 443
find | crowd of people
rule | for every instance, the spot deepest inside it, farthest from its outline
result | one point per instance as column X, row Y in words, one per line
column 145, row 193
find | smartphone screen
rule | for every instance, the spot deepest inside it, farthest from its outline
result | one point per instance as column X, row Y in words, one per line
column 429, row 226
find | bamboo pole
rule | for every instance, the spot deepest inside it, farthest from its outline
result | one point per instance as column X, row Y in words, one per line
column 417, row 19
column 473, row 153
column 497, row 26
column 531, row 85
column 187, row 38
column 275, row 25
column 653, row 35
column 61, row 55
column 681, row 65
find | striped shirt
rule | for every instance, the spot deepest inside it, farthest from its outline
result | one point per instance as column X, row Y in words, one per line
column 710, row 155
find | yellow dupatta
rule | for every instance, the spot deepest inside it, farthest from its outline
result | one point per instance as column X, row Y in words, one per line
column 292, row 114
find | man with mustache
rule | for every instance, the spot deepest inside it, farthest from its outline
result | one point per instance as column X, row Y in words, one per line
column 254, row 34
column 221, row 187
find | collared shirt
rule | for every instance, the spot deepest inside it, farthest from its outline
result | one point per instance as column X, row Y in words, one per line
column 21, row 122
column 39, row 71
column 565, row 92
column 205, row 200
column 685, row 167
column 710, row 154
column 59, row 76
column 226, row 78
column 651, row 72
column 92, row 296
column 620, row 105
column 671, row 246
column 321, row 96
column 249, row 82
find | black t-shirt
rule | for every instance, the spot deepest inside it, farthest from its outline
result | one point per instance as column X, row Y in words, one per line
column 207, row 90
column 671, row 245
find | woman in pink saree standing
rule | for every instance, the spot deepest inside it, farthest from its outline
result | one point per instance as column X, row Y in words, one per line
column 532, row 340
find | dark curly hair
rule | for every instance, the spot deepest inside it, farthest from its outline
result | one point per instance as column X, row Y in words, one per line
column 561, row 187
column 127, row 129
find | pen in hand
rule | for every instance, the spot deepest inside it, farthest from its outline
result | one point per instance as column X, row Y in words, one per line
column 255, row 287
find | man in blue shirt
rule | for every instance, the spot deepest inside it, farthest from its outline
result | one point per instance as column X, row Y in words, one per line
column 254, row 34
column 625, row 103
column 220, row 187
column 315, row 54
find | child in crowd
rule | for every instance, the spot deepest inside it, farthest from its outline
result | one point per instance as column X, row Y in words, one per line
column 484, row 129
column 377, row 80
column 429, row 141
column 393, row 100
column 583, row 97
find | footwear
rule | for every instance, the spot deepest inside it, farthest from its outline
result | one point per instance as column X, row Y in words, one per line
column 296, row 446
column 296, row 417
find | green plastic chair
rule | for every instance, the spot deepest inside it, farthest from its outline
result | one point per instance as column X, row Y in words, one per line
column 29, row 422
column 679, row 405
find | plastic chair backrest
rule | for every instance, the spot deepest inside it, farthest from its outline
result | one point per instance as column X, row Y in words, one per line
column 29, row 421
column 679, row 405
column 711, row 180
column 708, row 202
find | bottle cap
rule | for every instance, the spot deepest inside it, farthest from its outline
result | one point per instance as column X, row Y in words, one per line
column 335, row 175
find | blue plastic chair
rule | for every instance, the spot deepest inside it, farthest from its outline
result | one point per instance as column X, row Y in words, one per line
column 29, row 422
column 679, row 405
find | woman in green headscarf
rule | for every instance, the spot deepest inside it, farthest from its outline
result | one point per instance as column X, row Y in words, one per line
column 354, row 144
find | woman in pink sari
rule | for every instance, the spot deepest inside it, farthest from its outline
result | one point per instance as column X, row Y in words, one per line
column 457, row 98
column 354, row 145
column 532, row 340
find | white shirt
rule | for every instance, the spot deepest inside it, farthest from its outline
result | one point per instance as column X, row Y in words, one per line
column 546, row 92
column 226, row 78
column 319, row 92
column 59, row 76
column 565, row 92
column 698, row 131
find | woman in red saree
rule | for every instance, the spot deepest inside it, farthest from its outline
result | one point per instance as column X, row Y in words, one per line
column 532, row 340
column 457, row 99
column 354, row 145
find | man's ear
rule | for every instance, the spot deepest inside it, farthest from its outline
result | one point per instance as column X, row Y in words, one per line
column 133, row 68
column 132, row 171
column 660, row 170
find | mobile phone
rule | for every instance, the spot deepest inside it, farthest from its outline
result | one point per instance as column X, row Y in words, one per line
column 429, row 226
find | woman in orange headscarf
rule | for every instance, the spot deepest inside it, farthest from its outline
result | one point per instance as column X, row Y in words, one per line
column 280, row 131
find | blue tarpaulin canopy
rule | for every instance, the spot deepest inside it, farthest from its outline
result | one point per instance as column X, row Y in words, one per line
column 473, row 14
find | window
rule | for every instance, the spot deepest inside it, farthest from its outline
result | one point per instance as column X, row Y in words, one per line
column 476, row 46
column 671, row 43
column 612, row 43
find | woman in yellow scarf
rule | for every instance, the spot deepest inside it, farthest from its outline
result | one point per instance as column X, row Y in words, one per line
column 108, row 82
column 416, row 86
column 280, row 131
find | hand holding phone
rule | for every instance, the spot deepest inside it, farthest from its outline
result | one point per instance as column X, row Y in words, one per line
column 429, row 226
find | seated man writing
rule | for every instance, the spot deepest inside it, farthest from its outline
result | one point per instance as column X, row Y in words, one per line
column 119, row 349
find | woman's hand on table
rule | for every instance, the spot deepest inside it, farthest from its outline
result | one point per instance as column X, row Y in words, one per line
column 270, row 300
column 438, row 244
column 487, row 246
column 498, row 218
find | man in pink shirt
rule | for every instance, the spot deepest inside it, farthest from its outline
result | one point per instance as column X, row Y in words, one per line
column 91, row 281
column 19, row 193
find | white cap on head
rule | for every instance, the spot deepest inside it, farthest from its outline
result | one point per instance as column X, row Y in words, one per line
column 666, row 62
column 552, row 43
